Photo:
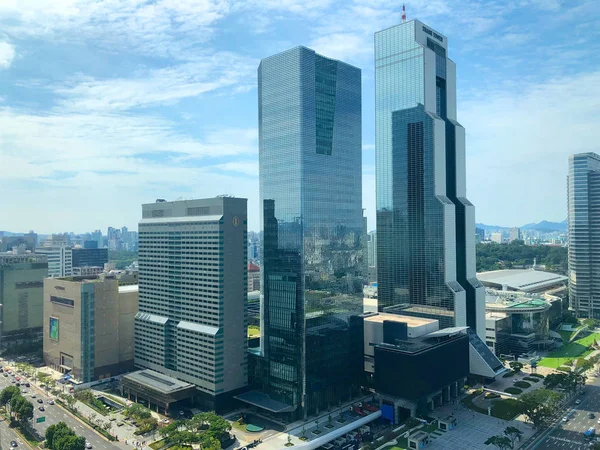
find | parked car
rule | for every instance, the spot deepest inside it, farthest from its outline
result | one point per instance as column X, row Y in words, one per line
column 41, row 408
column 33, row 396
column 565, row 419
column 50, row 402
column 578, row 401
column 27, row 384
column 88, row 445
column 120, row 424
column 592, row 415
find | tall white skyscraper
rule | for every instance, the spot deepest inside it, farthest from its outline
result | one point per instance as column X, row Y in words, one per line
column 192, row 322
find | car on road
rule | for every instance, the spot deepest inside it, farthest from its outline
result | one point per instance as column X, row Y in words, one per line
column 50, row 402
column 41, row 408
column 88, row 445
column 39, row 400
column 33, row 396
column 578, row 401
column 13, row 443
column 6, row 375
column 27, row 384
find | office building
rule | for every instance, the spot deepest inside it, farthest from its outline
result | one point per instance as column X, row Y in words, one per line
column 584, row 234
column 28, row 240
column 372, row 248
column 514, row 234
column 21, row 297
column 496, row 237
column 89, row 257
column 192, row 323
column 425, row 224
column 88, row 326
column 313, row 244
column 253, row 277
column 479, row 235
column 60, row 260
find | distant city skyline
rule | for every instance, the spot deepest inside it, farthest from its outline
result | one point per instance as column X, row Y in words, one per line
column 159, row 102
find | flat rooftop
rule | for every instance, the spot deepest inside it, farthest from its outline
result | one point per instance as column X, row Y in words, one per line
column 157, row 381
column 526, row 280
column 411, row 321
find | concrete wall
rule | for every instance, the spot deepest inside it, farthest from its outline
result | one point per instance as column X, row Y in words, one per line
column 107, row 328
column 128, row 308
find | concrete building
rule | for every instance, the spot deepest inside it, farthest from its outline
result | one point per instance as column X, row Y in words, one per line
column 60, row 260
column 21, row 298
column 372, row 248
column 523, row 280
column 514, row 234
column 425, row 223
column 518, row 323
column 192, row 320
column 584, row 234
column 253, row 277
column 88, row 326
column 479, row 235
column 496, row 237
column 29, row 240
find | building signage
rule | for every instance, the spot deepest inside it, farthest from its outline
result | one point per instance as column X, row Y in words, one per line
column 433, row 33
column 54, row 328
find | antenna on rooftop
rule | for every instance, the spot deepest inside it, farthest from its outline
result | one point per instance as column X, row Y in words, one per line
column 403, row 13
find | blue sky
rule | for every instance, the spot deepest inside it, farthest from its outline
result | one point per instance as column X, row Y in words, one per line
column 105, row 105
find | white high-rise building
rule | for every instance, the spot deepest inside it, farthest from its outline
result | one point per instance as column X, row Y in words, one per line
column 514, row 234
column 60, row 260
column 372, row 248
column 192, row 319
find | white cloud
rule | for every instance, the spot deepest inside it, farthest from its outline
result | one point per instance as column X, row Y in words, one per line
column 158, row 86
column 518, row 144
column 342, row 46
column 7, row 55
column 245, row 167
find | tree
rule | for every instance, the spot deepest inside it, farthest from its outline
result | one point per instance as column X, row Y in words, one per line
column 317, row 423
column 8, row 393
column 70, row 442
column 516, row 366
column 514, row 434
column 289, row 440
column 539, row 405
column 554, row 380
column 500, row 442
column 211, row 444
column 303, row 432
column 58, row 430
column 107, row 426
column 25, row 412
column 137, row 412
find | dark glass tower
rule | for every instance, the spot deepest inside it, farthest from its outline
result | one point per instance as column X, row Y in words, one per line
column 425, row 224
column 584, row 234
column 311, row 197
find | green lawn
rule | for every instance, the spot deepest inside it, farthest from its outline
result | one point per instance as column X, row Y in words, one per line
column 253, row 331
column 577, row 348
column 566, row 335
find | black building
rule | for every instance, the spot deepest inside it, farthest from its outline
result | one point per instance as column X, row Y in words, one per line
column 416, row 374
column 90, row 257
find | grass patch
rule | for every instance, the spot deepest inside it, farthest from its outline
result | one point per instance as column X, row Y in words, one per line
column 468, row 402
column 563, row 369
column 253, row 331
column 491, row 395
column 506, row 409
column 578, row 348
column 513, row 390
column 566, row 335
column 509, row 374
column 158, row 444
column 523, row 384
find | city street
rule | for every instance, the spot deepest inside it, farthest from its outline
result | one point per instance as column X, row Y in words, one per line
column 53, row 415
column 570, row 435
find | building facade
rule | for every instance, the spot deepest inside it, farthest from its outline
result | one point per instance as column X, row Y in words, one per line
column 192, row 320
column 88, row 326
column 584, row 234
column 425, row 224
column 514, row 234
column 313, row 231
column 89, row 257
column 372, row 249
column 60, row 260
column 21, row 298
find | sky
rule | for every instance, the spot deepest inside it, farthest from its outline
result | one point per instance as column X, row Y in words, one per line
column 105, row 105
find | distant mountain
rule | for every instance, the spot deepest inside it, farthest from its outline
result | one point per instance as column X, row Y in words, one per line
column 543, row 226
column 546, row 226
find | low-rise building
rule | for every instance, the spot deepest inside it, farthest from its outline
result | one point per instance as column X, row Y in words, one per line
column 21, row 296
column 253, row 277
column 88, row 326
column 517, row 323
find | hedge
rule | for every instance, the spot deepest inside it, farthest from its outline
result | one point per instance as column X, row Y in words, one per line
column 533, row 380
column 523, row 384
column 537, row 375
column 508, row 374
column 513, row 390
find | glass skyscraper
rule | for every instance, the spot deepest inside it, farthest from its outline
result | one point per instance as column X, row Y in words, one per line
column 425, row 224
column 584, row 234
column 311, row 197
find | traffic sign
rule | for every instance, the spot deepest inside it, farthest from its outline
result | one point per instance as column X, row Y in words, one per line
column 40, row 419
